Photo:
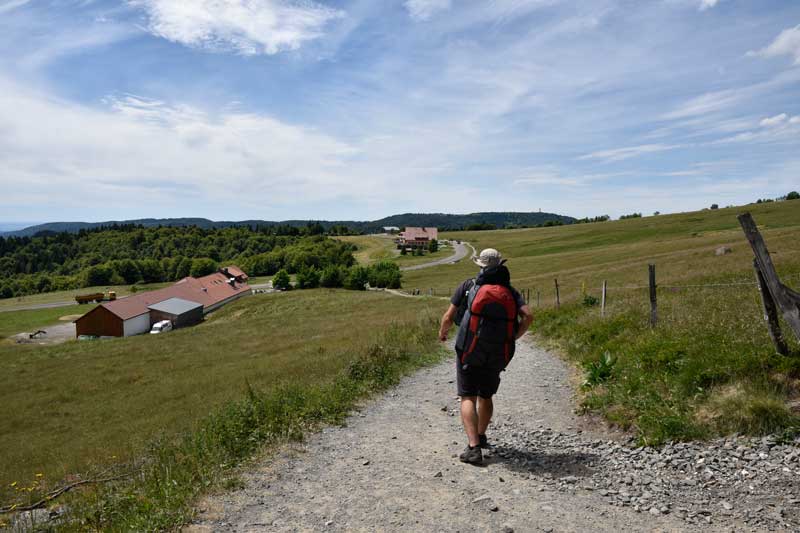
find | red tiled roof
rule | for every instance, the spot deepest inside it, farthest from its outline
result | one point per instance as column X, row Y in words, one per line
column 413, row 233
column 208, row 290
column 236, row 272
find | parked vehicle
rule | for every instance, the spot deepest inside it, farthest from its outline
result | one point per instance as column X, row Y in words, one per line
column 96, row 297
column 161, row 327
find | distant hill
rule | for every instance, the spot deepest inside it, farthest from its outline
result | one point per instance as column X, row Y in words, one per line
column 441, row 220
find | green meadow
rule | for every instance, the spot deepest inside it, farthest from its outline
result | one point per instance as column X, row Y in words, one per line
column 78, row 406
column 709, row 366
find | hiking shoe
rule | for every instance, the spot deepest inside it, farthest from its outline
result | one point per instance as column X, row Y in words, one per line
column 472, row 455
column 484, row 442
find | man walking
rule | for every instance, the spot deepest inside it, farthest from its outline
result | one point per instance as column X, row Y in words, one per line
column 491, row 315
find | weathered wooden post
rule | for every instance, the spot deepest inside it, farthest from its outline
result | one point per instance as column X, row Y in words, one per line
column 558, row 297
column 603, row 299
column 774, row 294
column 770, row 313
column 653, row 297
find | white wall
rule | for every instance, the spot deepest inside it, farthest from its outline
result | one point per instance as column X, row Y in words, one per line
column 136, row 325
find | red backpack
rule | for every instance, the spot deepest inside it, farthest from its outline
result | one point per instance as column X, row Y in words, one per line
column 487, row 334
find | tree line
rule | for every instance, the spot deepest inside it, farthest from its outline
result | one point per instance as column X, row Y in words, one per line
column 130, row 254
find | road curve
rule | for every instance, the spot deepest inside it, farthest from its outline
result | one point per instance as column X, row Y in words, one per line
column 461, row 251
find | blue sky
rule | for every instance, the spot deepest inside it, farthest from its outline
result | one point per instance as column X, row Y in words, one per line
column 357, row 109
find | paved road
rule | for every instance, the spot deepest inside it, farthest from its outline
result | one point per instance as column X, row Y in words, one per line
column 29, row 307
column 461, row 251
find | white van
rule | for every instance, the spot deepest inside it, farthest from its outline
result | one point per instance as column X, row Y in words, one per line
column 161, row 327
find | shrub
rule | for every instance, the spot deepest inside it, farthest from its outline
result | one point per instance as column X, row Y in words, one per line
column 794, row 195
column 332, row 276
column 308, row 278
column 98, row 275
column 385, row 274
column 590, row 301
column 357, row 278
column 433, row 246
column 714, row 206
column 281, row 281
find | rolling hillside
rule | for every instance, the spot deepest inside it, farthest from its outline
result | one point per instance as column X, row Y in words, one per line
column 709, row 366
column 440, row 220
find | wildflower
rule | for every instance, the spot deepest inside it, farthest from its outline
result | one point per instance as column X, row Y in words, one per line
column 39, row 475
column 14, row 484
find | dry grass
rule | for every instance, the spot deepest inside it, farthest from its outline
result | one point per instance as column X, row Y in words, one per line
column 75, row 405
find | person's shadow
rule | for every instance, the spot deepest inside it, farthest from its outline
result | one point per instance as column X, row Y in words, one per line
column 529, row 461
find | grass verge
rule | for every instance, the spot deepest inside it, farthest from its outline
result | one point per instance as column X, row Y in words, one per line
column 707, row 369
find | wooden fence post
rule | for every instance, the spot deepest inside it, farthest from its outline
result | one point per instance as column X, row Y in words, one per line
column 603, row 299
column 558, row 296
column 770, row 313
column 784, row 298
column 653, row 297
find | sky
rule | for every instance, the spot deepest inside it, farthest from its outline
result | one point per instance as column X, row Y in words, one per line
column 359, row 109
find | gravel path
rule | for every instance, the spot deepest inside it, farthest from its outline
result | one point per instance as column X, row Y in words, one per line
column 394, row 468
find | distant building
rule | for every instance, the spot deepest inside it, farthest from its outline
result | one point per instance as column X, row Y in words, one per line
column 136, row 314
column 391, row 230
column 417, row 237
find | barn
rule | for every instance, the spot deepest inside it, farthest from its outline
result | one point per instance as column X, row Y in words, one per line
column 134, row 315
column 180, row 312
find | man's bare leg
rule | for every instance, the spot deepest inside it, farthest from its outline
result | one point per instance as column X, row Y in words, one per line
column 485, row 411
column 469, row 417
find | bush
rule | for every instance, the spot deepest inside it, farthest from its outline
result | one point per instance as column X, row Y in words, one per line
column 385, row 274
column 433, row 246
column 281, row 281
column 308, row 278
column 98, row 275
column 332, row 276
column 357, row 278
column 794, row 195
column 590, row 301
column 714, row 206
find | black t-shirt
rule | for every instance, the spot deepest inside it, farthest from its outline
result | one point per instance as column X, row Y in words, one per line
column 461, row 293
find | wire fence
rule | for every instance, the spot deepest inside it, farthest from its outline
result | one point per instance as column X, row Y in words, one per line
column 536, row 295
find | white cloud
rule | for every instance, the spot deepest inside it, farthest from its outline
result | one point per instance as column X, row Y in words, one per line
column 425, row 9
column 774, row 121
column 8, row 5
column 147, row 147
column 707, row 4
column 620, row 154
column 705, row 103
column 786, row 43
column 249, row 27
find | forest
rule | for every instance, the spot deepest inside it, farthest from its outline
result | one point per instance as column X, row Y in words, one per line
column 132, row 254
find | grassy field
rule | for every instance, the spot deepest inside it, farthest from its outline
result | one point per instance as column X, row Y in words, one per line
column 374, row 248
column 8, row 304
column 15, row 322
column 71, row 407
column 709, row 367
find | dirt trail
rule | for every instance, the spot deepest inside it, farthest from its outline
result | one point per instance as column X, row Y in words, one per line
column 394, row 467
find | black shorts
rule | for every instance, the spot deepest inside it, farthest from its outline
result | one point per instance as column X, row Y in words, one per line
column 476, row 381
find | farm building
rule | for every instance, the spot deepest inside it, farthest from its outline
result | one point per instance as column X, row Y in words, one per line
column 136, row 314
column 416, row 237
column 391, row 230
column 180, row 312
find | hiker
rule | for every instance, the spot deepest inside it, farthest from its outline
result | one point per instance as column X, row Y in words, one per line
column 491, row 315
